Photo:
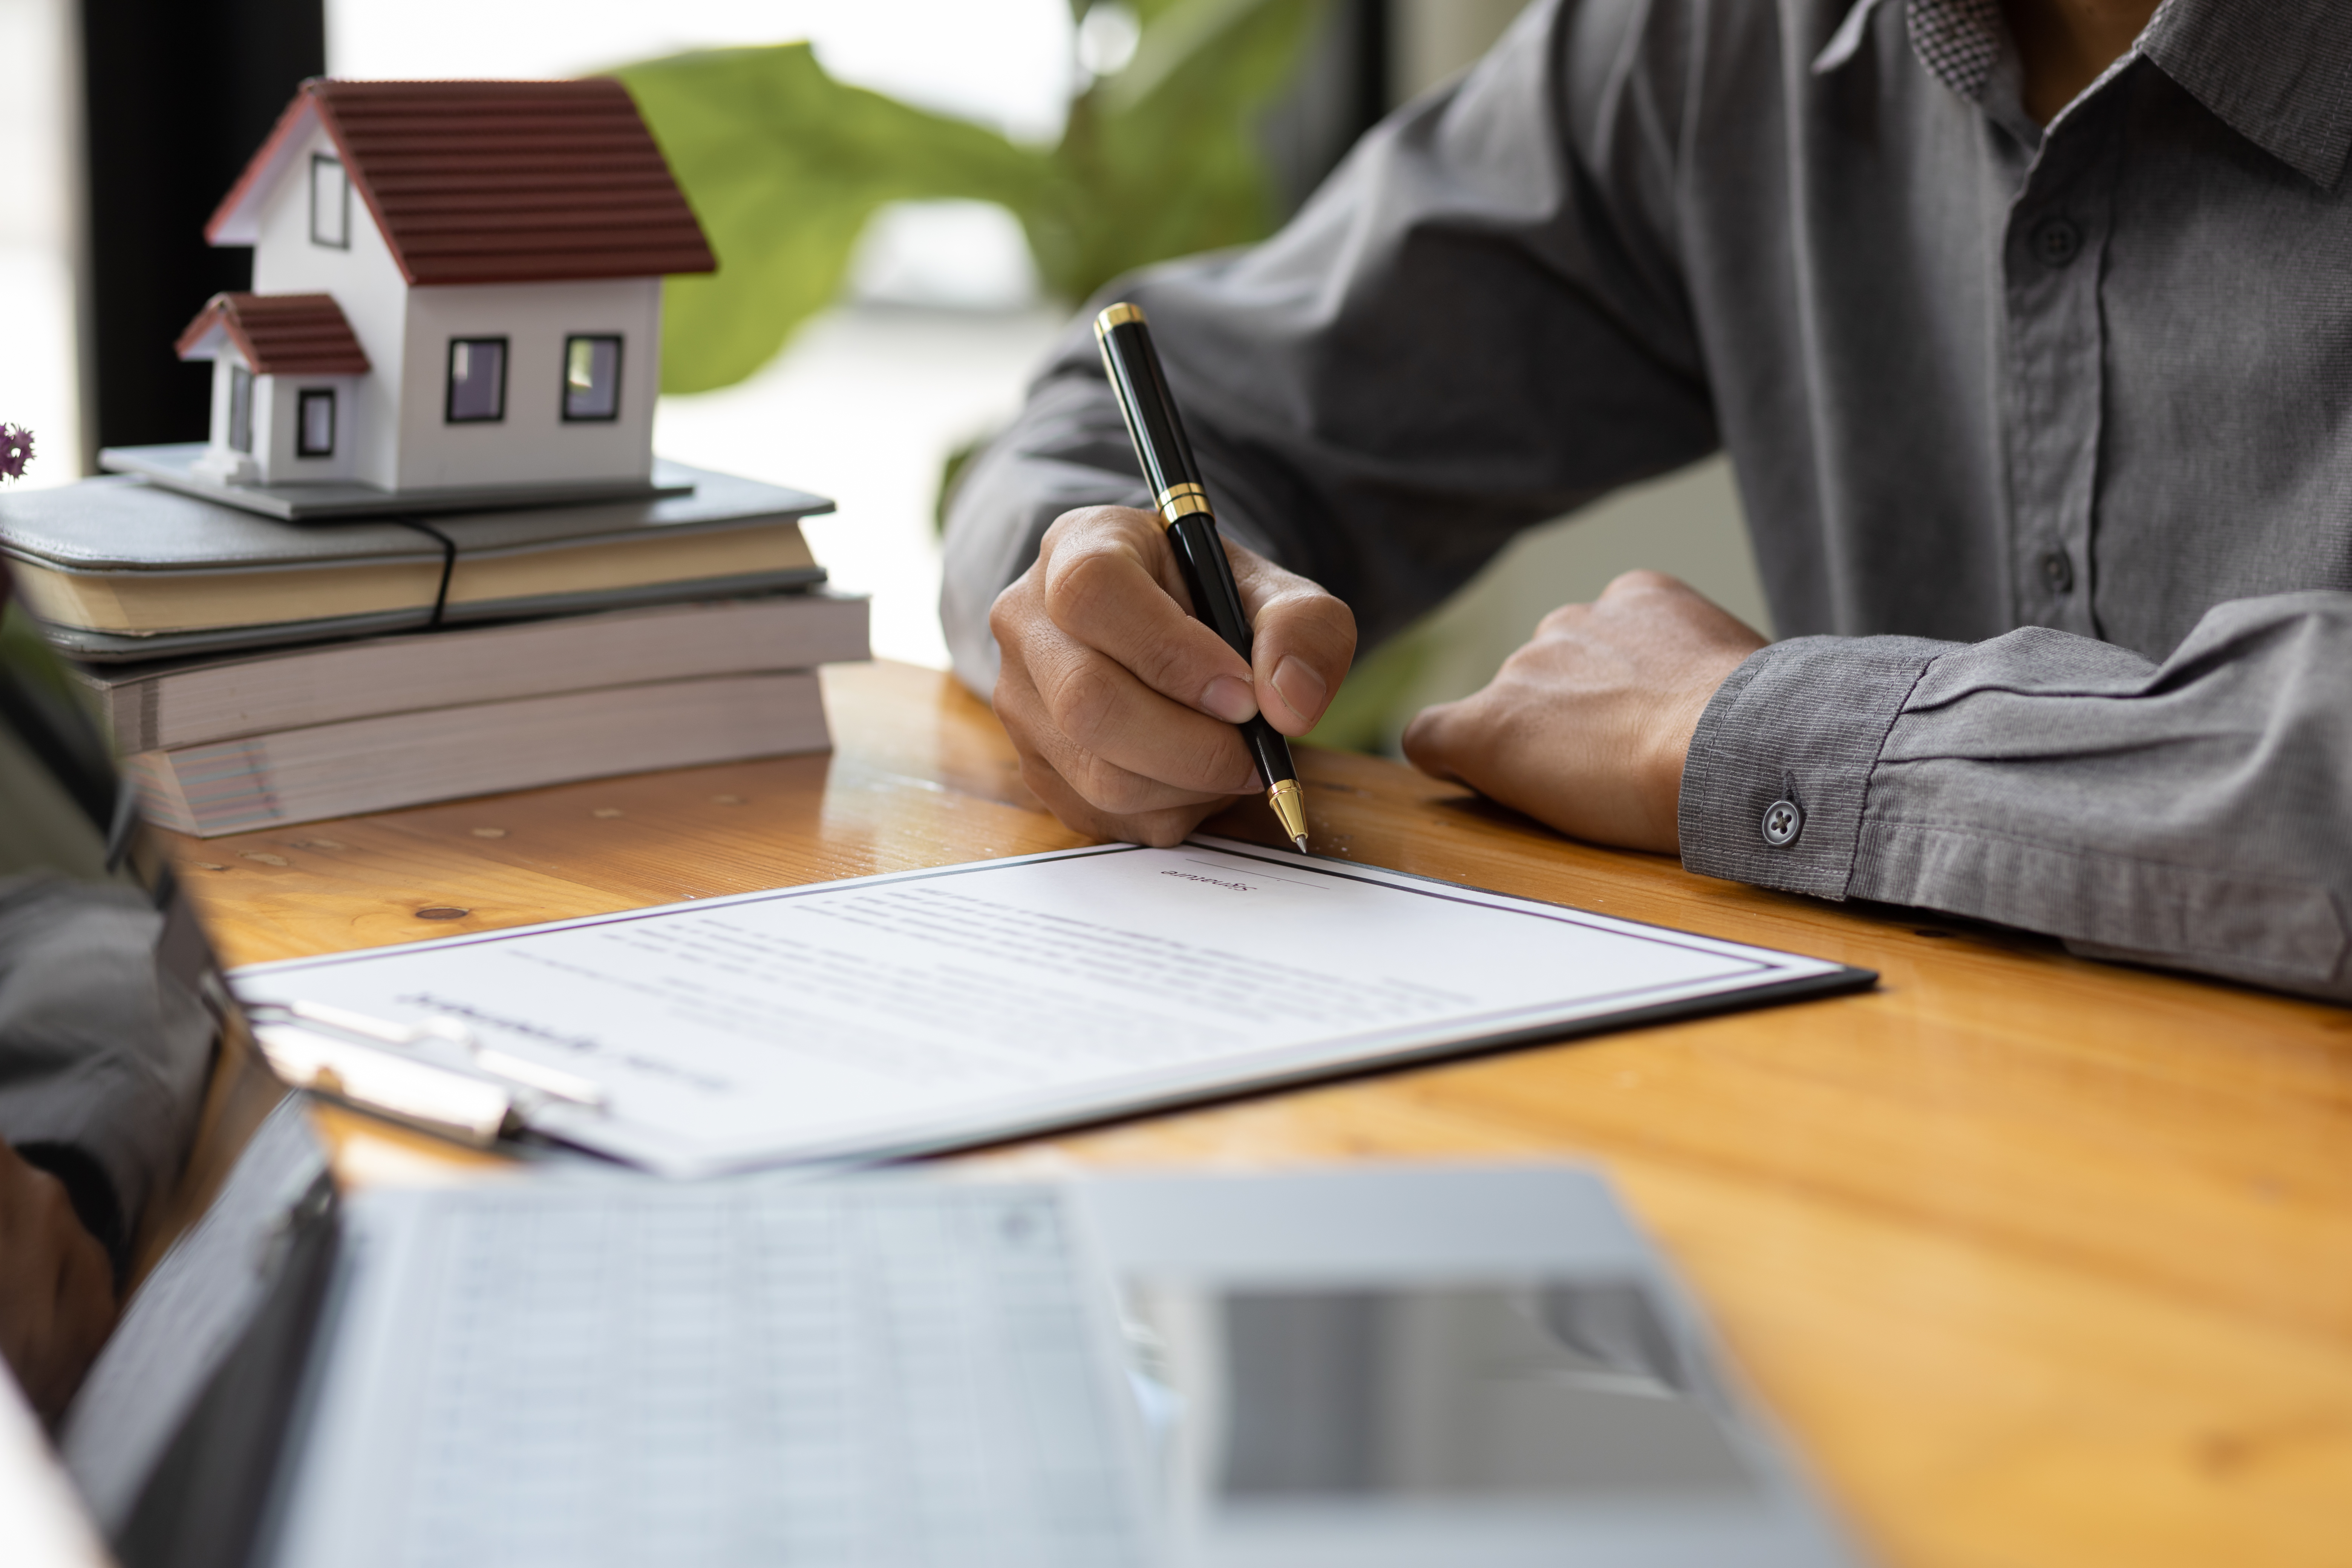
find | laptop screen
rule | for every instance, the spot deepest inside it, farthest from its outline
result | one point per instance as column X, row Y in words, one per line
column 1563, row 1389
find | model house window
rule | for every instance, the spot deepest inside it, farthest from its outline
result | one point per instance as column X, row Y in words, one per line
column 314, row 426
column 592, row 377
column 477, row 380
column 331, row 203
column 240, row 409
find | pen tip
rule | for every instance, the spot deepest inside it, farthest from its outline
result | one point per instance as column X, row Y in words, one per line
column 1289, row 810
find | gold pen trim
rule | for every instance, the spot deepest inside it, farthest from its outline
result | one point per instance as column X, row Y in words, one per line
column 1182, row 500
column 1117, row 315
column 1289, row 804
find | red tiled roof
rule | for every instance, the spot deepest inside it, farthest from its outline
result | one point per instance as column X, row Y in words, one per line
column 491, row 182
column 279, row 335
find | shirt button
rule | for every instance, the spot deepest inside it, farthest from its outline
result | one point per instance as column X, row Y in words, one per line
column 2058, row 571
column 1782, row 822
column 2057, row 242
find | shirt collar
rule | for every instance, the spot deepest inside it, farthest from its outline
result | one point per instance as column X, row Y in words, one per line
column 2279, row 74
column 1959, row 41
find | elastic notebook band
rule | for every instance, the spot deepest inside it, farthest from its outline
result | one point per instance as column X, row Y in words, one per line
column 448, row 563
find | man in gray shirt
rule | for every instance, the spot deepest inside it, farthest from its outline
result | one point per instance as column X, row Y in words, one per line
column 106, row 1036
column 2029, row 331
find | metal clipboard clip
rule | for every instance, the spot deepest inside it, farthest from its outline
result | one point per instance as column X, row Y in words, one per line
column 406, row 1071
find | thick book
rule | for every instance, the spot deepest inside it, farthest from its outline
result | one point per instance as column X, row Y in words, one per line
column 185, row 702
column 119, row 569
column 399, row 760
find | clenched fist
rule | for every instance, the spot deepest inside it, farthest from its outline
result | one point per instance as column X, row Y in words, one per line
column 1587, row 727
column 1123, row 705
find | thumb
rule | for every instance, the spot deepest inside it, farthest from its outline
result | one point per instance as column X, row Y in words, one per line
column 1427, row 741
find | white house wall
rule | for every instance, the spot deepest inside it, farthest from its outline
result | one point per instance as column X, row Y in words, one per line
column 366, row 282
column 276, row 414
column 533, row 442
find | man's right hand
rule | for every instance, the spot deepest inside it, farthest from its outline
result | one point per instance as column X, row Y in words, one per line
column 1122, row 705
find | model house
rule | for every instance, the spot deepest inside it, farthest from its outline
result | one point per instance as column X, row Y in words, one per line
column 455, row 285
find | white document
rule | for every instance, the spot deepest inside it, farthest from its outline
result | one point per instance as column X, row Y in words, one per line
column 894, row 1015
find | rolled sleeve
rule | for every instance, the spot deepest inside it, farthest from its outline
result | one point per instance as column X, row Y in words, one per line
column 2194, row 815
column 1802, row 721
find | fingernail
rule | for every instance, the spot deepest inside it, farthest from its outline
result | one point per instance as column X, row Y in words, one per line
column 1230, row 699
column 1300, row 686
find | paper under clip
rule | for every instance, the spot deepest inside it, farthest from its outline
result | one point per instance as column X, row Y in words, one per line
column 335, row 1051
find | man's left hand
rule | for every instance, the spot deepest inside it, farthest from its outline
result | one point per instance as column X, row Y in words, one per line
column 1586, row 728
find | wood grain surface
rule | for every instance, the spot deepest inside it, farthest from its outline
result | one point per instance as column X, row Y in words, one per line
column 2038, row 1261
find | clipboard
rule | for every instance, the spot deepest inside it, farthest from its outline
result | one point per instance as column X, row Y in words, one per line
column 914, row 1012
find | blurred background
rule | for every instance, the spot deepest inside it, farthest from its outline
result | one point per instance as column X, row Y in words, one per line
column 906, row 207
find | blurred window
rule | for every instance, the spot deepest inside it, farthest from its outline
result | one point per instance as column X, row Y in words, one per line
column 592, row 377
column 240, row 409
column 314, row 431
column 478, row 380
column 331, row 203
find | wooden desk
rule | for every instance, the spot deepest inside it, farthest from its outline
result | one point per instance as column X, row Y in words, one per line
column 2040, row 1261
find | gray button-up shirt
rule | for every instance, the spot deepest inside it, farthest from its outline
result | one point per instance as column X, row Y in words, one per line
column 105, row 1037
column 2044, row 436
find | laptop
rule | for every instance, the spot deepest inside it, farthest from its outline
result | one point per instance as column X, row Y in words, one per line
column 1398, row 1366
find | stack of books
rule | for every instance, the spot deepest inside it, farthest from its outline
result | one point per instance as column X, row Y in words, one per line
column 256, row 671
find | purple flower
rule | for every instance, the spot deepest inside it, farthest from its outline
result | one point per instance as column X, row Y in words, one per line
column 15, row 450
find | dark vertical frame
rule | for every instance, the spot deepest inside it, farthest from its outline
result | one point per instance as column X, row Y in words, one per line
column 176, row 96
column 1340, row 93
column 563, row 381
column 449, row 383
column 343, row 189
column 309, row 398
column 240, row 409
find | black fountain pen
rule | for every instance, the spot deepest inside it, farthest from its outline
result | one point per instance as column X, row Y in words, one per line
column 1184, row 502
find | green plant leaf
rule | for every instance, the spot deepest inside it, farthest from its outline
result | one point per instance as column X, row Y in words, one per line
column 1180, row 32
column 783, row 166
column 1163, row 159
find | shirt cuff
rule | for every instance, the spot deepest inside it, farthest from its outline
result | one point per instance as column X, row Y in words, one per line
column 1779, row 767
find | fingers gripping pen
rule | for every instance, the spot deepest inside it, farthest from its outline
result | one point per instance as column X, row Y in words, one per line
column 1184, row 502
